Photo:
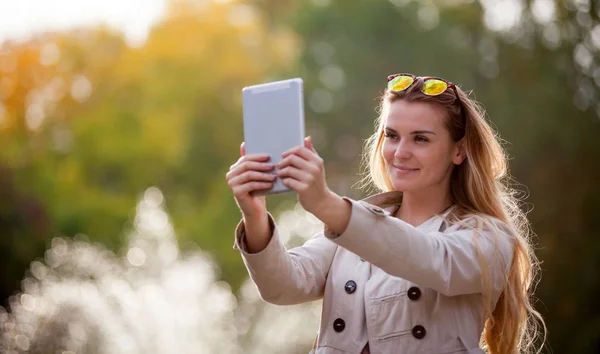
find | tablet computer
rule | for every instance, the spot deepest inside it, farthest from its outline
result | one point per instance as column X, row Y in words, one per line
column 273, row 121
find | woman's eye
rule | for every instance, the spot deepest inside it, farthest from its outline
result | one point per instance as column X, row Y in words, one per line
column 420, row 138
column 389, row 135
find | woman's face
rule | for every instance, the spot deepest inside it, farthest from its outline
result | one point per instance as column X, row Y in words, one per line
column 417, row 148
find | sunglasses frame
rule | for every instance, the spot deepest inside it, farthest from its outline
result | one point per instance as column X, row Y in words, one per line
column 425, row 79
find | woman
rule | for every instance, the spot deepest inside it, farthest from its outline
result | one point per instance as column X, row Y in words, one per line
column 440, row 262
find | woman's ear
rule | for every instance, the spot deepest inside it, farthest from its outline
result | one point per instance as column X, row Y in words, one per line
column 460, row 153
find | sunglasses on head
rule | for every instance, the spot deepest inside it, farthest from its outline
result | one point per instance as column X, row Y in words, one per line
column 432, row 86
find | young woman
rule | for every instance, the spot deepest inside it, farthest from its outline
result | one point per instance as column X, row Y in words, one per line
column 440, row 262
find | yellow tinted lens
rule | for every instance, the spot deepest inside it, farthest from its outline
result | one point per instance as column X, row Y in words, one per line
column 400, row 83
column 434, row 87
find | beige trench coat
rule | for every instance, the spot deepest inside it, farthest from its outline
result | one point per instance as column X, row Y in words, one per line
column 402, row 289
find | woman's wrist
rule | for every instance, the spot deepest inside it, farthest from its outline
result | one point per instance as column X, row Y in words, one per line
column 258, row 231
column 334, row 212
column 254, row 217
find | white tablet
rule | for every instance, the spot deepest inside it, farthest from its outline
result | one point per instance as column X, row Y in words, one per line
column 273, row 121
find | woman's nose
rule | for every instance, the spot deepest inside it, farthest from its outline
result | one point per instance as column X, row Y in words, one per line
column 402, row 152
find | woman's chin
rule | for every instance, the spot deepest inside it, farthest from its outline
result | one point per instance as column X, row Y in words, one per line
column 403, row 187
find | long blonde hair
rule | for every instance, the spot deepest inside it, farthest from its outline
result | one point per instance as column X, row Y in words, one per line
column 480, row 185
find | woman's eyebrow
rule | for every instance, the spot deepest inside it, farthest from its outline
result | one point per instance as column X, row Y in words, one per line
column 422, row 132
column 415, row 132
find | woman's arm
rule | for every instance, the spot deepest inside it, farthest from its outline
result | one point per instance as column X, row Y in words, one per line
column 449, row 263
column 287, row 277
column 281, row 277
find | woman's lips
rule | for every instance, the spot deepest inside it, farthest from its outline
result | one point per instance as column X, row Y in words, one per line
column 404, row 170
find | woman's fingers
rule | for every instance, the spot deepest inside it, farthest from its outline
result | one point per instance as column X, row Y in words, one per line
column 250, row 173
column 241, row 190
column 309, row 144
column 250, row 162
column 252, row 157
column 295, row 173
column 293, row 184
column 298, row 162
column 251, row 165
column 300, row 151
column 312, row 159
column 251, row 176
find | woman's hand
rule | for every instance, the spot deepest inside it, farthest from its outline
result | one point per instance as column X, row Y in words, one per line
column 303, row 170
column 248, row 174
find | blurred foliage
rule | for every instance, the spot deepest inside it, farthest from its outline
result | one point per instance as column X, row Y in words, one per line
column 88, row 123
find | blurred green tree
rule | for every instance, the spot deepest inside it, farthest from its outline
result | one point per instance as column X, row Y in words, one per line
column 89, row 123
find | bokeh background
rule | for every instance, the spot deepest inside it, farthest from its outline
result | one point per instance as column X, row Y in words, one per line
column 119, row 120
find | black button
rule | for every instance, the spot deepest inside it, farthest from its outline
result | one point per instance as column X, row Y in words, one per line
column 414, row 293
column 377, row 211
column 418, row 331
column 339, row 325
column 373, row 209
column 350, row 286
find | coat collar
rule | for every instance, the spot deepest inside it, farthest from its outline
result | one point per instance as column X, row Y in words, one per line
column 392, row 200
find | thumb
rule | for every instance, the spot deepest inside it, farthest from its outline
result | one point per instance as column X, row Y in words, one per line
column 309, row 144
column 243, row 149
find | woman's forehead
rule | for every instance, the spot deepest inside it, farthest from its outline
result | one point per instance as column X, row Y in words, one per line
column 408, row 114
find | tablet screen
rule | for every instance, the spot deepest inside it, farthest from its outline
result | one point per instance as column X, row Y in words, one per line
column 273, row 120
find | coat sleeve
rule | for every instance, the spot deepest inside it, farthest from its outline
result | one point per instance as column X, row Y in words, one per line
column 288, row 277
column 448, row 262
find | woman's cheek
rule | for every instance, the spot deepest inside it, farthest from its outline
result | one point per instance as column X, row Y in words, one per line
column 387, row 152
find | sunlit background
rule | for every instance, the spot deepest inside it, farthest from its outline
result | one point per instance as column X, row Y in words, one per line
column 119, row 120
